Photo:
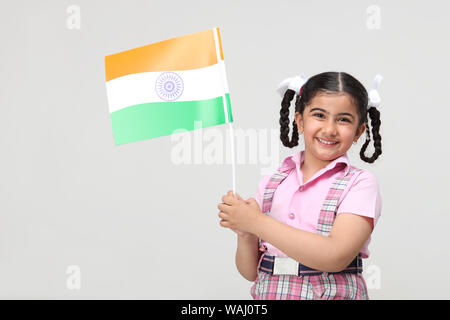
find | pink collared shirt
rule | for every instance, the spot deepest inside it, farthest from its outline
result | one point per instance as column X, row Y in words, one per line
column 298, row 204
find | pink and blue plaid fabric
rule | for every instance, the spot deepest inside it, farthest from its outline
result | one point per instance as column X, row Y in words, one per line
column 326, row 286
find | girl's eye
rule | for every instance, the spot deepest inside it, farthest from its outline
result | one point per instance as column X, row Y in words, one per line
column 320, row 115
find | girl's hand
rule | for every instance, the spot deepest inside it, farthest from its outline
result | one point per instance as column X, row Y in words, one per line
column 239, row 215
column 241, row 234
column 252, row 203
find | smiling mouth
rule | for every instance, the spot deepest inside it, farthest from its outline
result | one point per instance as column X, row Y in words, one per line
column 326, row 142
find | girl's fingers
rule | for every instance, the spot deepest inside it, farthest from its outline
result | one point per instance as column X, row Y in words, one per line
column 221, row 206
column 222, row 215
column 224, row 223
column 229, row 198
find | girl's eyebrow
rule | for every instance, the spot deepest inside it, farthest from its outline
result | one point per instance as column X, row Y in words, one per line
column 342, row 113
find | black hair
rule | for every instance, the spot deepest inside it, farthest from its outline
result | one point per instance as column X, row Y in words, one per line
column 332, row 82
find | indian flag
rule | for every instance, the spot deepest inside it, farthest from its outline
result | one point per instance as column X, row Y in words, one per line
column 161, row 87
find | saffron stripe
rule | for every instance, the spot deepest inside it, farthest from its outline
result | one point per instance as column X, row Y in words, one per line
column 187, row 52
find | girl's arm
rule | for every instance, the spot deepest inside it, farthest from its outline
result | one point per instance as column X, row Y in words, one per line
column 247, row 256
column 331, row 253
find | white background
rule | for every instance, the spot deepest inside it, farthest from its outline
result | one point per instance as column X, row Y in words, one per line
column 140, row 226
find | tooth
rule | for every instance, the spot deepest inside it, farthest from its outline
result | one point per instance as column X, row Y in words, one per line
column 323, row 141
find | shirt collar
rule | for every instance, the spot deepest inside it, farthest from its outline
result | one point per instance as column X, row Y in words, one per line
column 298, row 158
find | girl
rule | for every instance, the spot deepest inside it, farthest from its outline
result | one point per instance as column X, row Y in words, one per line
column 304, row 234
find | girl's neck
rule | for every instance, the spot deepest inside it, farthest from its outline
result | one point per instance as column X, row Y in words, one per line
column 311, row 165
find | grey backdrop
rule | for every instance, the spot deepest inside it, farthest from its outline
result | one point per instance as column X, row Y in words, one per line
column 140, row 226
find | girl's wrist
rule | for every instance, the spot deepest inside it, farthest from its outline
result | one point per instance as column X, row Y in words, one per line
column 258, row 223
column 249, row 237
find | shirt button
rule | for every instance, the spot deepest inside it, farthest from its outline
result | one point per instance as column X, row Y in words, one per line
column 301, row 188
column 291, row 215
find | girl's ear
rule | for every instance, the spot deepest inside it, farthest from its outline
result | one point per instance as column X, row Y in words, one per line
column 360, row 131
column 299, row 122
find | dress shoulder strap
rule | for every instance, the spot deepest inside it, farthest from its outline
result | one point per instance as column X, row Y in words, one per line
column 329, row 206
column 271, row 186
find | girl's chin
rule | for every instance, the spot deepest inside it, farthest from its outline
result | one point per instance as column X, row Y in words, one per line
column 327, row 155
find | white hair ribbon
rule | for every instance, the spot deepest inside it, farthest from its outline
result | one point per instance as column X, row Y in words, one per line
column 374, row 96
column 294, row 83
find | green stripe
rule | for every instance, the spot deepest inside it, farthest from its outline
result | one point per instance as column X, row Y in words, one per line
column 157, row 119
column 230, row 115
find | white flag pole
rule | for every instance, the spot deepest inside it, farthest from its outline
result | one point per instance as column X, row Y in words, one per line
column 224, row 99
column 233, row 165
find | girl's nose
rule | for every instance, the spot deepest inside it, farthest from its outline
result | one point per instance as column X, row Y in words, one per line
column 330, row 129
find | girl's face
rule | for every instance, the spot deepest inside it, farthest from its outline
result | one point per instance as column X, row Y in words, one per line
column 333, row 118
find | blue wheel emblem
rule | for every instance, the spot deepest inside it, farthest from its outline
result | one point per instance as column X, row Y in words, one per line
column 169, row 86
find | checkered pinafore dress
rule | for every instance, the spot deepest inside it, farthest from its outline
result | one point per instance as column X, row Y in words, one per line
column 325, row 286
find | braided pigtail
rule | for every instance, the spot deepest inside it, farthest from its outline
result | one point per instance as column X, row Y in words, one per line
column 284, row 121
column 375, row 120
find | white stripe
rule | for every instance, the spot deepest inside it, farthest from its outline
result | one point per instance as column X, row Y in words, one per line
column 199, row 84
column 222, row 74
